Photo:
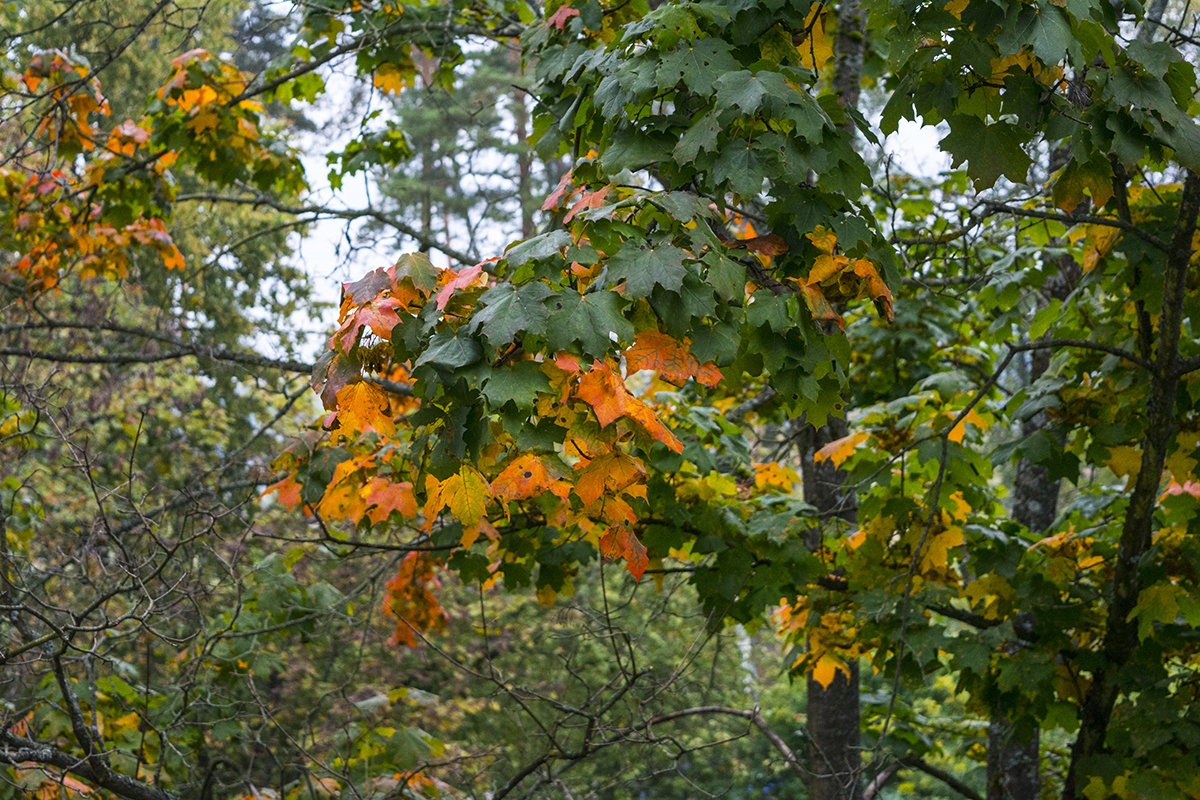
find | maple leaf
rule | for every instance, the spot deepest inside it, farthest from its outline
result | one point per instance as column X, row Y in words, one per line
column 559, row 18
column 769, row 245
column 823, row 239
column 605, row 392
column 936, row 555
column 469, row 276
column 288, row 490
column 825, row 267
column 827, row 668
column 465, row 493
column 363, row 406
column 379, row 315
column 612, row 472
column 815, row 51
column 956, row 435
column 390, row 78
column 554, row 197
column 410, row 600
column 775, row 476
column 670, row 358
column 384, row 496
column 620, row 542
column 527, row 477
column 839, row 450
column 587, row 200
column 819, row 306
column 875, row 288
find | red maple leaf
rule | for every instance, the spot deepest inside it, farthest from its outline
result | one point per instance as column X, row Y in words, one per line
column 620, row 542
column 461, row 280
column 554, row 197
column 559, row 18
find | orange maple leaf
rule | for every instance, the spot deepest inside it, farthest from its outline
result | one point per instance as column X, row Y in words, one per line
column 527, row 477
column 554, row 197
column 363, row 406
column 670, row 358
column 875, row 288
column 819, row 306
column 384, row 497
column 410, row 600
column 587, row 200
column 613, row 471
column 288, row 489
column 620, row 542
column 379, row 315
column 604, row 390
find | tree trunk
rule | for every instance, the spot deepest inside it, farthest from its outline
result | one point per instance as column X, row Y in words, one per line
column 834, row 749
column 524, row 156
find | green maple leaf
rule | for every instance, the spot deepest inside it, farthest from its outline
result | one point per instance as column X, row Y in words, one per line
column 740, row 89
column 701, row 136
column 990, row 150
column 643, row 267
column 518, row 384
column 589, row 320
column 543, row 246
column 449, row 351
column 697, row 65
column 1043, row 28
column 508, row 310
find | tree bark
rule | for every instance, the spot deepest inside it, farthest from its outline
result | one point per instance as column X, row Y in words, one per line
column 834, row 749
column 834, row 716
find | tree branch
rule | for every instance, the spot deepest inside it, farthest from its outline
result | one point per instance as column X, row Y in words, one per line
column 425, row 241
column 754, row 717
column 21, row 752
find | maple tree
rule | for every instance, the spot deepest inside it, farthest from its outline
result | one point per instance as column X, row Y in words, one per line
column 724, row 272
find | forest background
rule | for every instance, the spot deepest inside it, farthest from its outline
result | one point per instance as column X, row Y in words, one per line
column 667, row 384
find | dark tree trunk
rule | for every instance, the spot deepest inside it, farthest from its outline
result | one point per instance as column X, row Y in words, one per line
column 834, row 717
column 834, row 748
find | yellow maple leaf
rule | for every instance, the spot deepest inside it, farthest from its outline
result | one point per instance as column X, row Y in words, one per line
column 839, row 450
column 823, row 239
column 1180, row 463
column 815, row 50
column 465, row 493
column 389, row 78
column 1125, row 461
column 937, row 548
column 775, row 476
column 956, row 7
column 957, row 432
column 827, row 668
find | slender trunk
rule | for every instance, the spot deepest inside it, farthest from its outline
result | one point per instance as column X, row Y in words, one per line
column 524, row 156
column 834, row 716
column 834, row 749
column 1012, row 759
column 1120, row 635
